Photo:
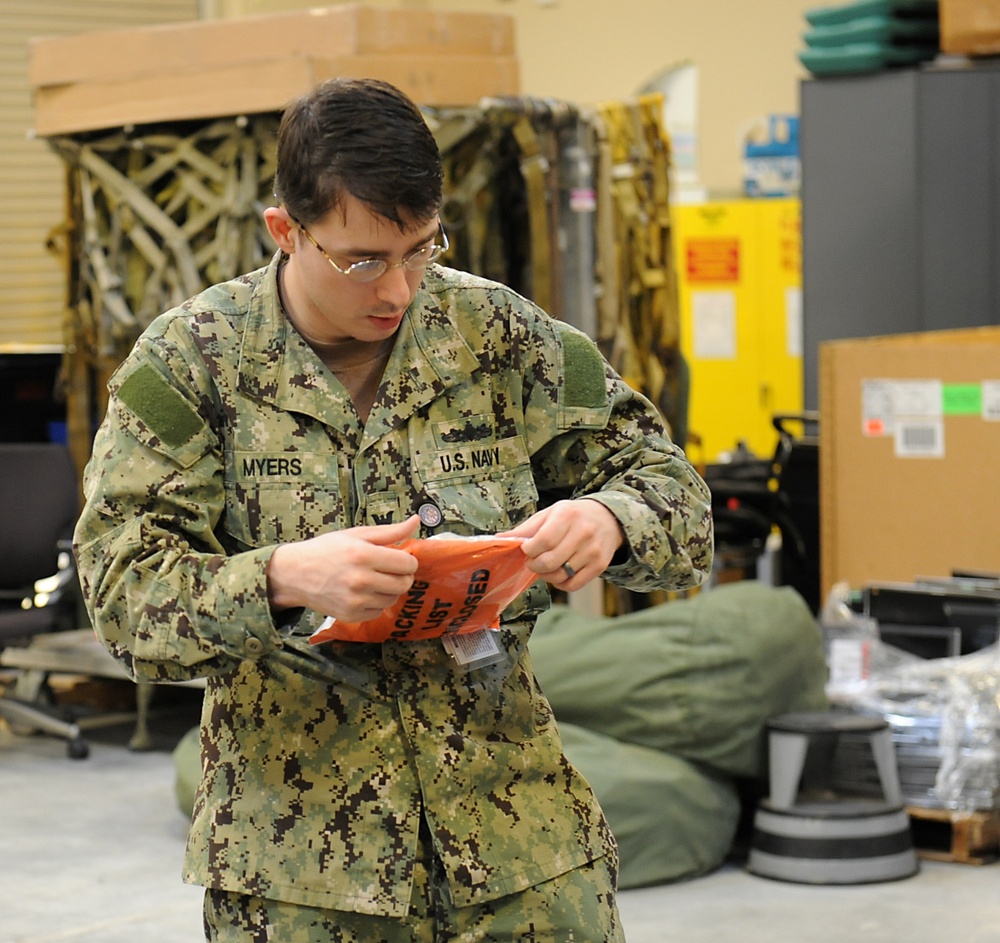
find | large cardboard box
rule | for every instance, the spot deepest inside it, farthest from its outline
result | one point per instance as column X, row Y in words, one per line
column 909, row 456
column 970, row 27
column 254, row 64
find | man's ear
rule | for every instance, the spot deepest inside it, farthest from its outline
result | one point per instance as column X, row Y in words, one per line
column 281, row 227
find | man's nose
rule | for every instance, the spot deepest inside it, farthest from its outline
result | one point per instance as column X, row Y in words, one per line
column 393, row 287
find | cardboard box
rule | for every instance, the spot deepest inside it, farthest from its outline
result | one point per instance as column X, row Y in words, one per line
column 909, row 452
column 254, row 64
column 321, row 33
column 970, row 27
column 220, row 90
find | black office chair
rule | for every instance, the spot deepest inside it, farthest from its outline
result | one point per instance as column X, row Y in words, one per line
column 38, row 590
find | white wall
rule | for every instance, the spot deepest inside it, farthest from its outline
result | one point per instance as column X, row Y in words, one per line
column 593, row 50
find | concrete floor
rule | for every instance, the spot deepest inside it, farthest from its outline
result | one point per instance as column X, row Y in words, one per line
column 90, row 852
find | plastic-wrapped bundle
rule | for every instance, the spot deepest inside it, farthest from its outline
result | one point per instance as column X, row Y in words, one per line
column 945, row 717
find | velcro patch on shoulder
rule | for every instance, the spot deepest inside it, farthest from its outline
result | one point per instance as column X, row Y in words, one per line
column 165, row 412
column 583, row 370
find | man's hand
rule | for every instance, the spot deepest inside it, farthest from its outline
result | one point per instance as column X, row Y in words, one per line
column 570, row 543
column 352, row 574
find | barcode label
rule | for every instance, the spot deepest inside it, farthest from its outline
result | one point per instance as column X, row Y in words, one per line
column 923, row 438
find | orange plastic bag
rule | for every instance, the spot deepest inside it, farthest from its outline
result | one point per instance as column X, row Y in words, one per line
column 462, row 584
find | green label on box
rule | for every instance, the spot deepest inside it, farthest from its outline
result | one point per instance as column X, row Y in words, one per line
column 962, row 399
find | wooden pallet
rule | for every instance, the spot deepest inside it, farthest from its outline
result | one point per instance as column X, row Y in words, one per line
column 965, row 837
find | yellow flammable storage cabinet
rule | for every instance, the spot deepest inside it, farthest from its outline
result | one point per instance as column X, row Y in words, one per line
column 739, row 268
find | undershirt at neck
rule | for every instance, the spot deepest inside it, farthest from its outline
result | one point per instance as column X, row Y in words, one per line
column 359, row 366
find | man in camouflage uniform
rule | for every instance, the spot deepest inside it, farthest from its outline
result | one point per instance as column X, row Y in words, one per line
column 266, row 445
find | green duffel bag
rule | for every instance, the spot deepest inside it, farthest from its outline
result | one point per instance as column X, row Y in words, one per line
column 697, row 677
column 671, row 819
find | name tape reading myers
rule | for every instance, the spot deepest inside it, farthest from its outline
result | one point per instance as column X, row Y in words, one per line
column 462, row 584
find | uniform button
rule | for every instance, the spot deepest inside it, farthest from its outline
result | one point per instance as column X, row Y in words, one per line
column 254, row 646
column 430, row 515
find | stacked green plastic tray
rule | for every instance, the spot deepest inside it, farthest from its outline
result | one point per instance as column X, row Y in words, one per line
column 870, row 35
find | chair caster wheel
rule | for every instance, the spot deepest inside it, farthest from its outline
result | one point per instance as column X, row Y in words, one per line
column 78, row 749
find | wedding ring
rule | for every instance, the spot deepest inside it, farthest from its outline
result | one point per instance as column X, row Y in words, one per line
column 570, row 572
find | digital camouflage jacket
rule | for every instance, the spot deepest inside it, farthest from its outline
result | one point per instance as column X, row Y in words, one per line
column 226, row 435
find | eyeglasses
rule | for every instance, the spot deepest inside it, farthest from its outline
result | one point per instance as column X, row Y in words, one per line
column 367, row 270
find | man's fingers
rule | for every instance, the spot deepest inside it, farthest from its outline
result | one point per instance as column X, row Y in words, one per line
column 526, row 528
column 387, row 534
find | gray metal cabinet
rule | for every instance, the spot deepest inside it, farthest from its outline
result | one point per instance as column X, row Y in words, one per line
column 900, row 204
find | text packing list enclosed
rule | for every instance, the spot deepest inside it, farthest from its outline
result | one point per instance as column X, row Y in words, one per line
column 462, row 584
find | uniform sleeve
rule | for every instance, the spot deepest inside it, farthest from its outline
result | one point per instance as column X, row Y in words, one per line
column 592, row 436
column 165, row 597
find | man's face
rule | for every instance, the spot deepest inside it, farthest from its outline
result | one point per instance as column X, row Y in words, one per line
column 329, row 306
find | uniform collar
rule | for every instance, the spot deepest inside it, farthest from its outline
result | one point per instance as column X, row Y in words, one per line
column 277, row 366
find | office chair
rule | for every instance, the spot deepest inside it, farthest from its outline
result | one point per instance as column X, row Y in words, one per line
column 38, row 592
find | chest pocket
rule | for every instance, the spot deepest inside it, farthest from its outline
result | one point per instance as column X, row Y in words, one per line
column 481, row 485
column 280, row 496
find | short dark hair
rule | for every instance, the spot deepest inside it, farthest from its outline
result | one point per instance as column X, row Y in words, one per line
column 358, row 136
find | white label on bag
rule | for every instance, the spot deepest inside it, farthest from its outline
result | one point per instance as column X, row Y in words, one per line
column 478, row 648
column 849, row 659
